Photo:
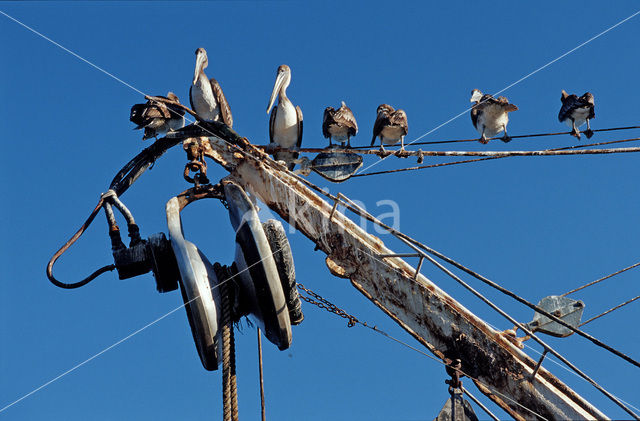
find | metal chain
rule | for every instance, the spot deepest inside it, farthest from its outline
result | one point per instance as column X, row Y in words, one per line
column 325, row 304
column 450, row 366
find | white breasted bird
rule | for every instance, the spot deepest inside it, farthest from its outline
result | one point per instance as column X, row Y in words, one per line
column 391, row 126
column 285, row 122
column 490, row 116
column 339, row 125
column 206, row 96
column 576, row 111
column 157, row 118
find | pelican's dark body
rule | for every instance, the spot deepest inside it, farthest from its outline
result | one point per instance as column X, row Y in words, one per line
column 157, row 118
column 391, row 126
column 339, row 125
column 490, row 115
column 576, row 111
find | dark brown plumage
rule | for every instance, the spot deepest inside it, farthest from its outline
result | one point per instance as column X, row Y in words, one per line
column 576, row 111
column 157, row 118
column 339, row 125
column 490, row 115
column 391, row 126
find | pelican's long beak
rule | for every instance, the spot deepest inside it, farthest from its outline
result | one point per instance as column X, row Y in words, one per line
column 276, row 90
column 199, row 63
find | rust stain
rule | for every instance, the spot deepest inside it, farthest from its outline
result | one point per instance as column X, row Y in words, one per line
column 435, row 319
column 336, row 269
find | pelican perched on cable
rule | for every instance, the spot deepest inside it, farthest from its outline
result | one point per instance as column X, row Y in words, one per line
column 206, row 96
column 490, row 116
column 577, row 111
column 339, row 125
column 391, row 126
column 157, row 118
column 285, row 122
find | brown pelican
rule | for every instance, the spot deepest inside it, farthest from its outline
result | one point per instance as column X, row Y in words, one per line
column 285, row 123
column 391, row 126
column 206, row 96
column 490, row 116
column 157, row 118
column 339, row 125
column 576, row 111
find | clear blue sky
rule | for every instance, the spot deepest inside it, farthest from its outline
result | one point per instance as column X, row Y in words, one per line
column 538, row 225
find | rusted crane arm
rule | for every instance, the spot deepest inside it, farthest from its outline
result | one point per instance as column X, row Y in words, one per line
column 429, row 314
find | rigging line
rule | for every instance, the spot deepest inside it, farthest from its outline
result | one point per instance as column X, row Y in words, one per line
column 157, row 320
column 520, row 299
column 417, row 245
column 520, row 80
column 609, row 311
column 420, row 167
column 601, row 279
column 534, row 135
column 408, row 241
column 383, row 333
column 480, row 404
column 543, row 152
column 367, row 150
column 608, row 394
column 423, row 353
column 109, row 74
column 633, row 139
column 129, row 336
column 564, row 367
column 354, row 149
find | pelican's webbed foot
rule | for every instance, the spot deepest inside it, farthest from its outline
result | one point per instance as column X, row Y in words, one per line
column 506, row 138
column 588, row 132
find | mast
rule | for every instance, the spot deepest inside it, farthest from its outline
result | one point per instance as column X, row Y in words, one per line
column 415, row 303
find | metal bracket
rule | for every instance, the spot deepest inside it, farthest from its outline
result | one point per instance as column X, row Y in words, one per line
column 566, row 309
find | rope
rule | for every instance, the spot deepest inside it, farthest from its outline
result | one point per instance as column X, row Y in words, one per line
column 609, row 311
column 226, row 375
column 229, row 386
column 234, row 382
column 601, row 279
column 262, row 405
